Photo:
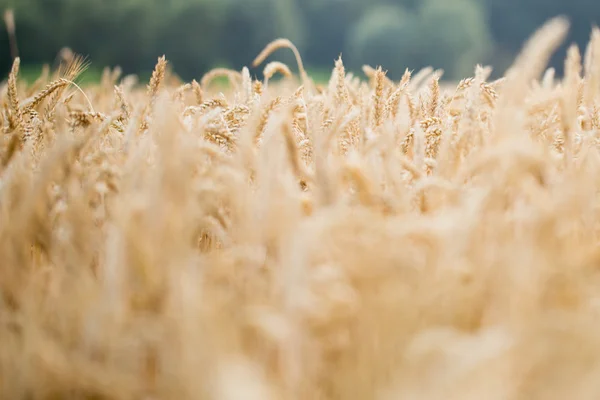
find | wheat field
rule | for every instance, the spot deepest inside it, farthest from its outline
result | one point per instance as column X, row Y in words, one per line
column 284, row 240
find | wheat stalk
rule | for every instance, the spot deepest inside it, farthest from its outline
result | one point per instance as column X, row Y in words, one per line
column 281, row 44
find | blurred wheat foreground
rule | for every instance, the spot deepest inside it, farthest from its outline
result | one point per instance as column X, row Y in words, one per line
column 282, row 240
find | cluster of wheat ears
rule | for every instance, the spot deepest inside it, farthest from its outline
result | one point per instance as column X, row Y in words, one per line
column 364, row 239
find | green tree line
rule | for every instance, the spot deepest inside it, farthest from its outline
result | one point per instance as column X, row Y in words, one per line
column 197, row 35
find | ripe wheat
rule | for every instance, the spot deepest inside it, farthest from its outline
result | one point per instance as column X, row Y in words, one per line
column 357, row 240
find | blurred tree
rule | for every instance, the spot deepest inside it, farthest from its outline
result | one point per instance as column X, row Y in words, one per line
column 188, row 33
column 513, row 21
column 199, row 34
column 406, row 4
column 448, row 34
column 454, row 35
column 250, row 25
column 388, row 36
column 328, row 22
column 108, row 31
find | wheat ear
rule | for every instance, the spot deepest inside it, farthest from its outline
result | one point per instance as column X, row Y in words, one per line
column 282, row 44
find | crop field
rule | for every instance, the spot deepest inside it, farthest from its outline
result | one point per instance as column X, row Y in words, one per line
column 282, row 239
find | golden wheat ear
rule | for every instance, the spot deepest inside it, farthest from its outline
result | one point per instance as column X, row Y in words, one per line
column 378, row 100
column 67, row 71
column 592, row 67
column 273, row 68
column 233, row 76
column 282, row 44
column 13, row 95
column 158, row 75
column 529, row 64
column 31, row 103
column 341, row 90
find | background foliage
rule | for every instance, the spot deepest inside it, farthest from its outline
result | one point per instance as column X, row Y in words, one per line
column 197, row 35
